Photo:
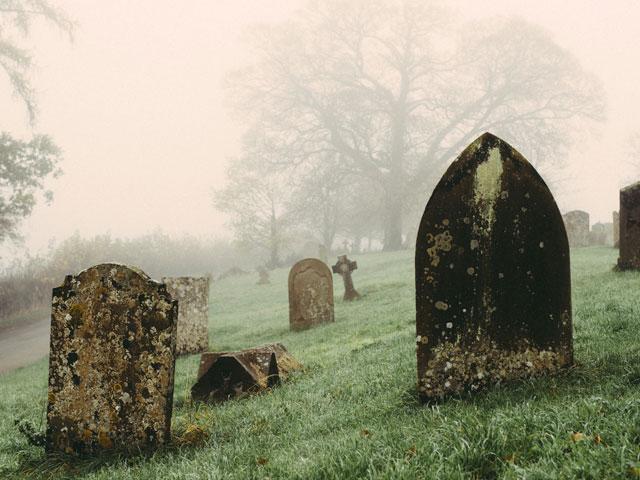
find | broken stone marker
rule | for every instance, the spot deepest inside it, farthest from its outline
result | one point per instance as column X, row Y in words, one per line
column 310, row 294
column 192, row 294
column 616, row 229
column 226, row 375
column 493, row 291
column 577, row 225
column 630, row 228
column 111, row 361
column 344, row 267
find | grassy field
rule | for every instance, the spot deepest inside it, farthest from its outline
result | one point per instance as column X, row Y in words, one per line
column 353, row 413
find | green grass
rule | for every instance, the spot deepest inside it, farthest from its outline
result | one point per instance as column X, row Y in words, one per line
column 353, row 413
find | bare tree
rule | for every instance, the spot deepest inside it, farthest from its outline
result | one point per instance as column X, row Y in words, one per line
column 255, row 201
column 395, row 95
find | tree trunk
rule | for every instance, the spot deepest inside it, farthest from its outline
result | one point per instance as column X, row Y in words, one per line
column 393, row 225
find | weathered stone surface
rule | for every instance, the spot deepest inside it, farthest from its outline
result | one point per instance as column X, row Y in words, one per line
column 310, row 294
column 344, row 267
column 192, row 294
column 630, row 228
column 226, row 375
column 601, row 234
column 616, row 229
column 577, row 225
column 493, row 293
column 111, row 362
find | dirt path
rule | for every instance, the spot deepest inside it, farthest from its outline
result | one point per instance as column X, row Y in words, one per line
column 20, row 346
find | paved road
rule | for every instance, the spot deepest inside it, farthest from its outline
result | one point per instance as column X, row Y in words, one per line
column 20, row 346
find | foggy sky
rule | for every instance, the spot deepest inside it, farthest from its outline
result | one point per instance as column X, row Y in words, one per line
column 137, row 105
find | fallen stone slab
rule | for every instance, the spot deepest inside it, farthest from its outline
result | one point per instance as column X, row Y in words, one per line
column 227, row 375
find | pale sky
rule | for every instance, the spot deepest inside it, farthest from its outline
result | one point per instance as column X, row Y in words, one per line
column 137, row 105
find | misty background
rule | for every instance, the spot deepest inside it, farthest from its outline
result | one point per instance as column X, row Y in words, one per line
column 199, row 130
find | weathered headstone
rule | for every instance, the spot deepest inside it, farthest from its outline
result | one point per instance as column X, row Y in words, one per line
column 263, row 274
column 226, row 375
column 111, row 362
column 601, row 234
column 577, row 225
column 344, row 267
column 630, row 228
column 493, row 292
column 192, row 294
column 310, row 294
column 616, row 229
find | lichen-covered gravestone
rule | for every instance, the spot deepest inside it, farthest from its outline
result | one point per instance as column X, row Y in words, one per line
column 111, row 361
column 192, row 294
column 630, row 228
column 577, row 225
column 493, row 292
column 310, row 294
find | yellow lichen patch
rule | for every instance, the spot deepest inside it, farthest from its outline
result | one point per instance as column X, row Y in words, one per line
column 442, row 242
column 487, row 185
column 104, row 440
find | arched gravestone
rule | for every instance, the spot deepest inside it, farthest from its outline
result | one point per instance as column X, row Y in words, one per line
column 192, row 294
column 310, row 294
column 577, row 226
column 111, row 361
column 493, row 293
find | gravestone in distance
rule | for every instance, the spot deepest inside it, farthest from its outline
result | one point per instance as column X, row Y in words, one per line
column 601, row 234
column 344, row 267
column 630, row 228
column 192, row 294
column 616, row 229
column 111, row 362
column 493, row 292
column 263, row 274
column 577, row 226
column 310, row 294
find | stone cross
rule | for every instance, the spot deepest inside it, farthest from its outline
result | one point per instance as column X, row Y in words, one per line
column 192, row 294
column 310, row 294
column 630, row 228
column 111, row 362
column 493, row 291
column 344, row 267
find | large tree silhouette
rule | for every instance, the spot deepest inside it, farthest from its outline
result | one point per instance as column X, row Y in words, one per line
column 396, row 89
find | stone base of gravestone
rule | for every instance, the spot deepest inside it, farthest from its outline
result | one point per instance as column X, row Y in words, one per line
column 111, row 362
column 229, row 375
column 192, row 294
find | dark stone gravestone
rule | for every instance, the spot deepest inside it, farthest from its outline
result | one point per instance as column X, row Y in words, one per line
column 630, row 228
column 226, row 375
column 344, row 267
column 577, row 225
column 493, row 291
column 616, row 229
column 310, row 294
column 192, row 294
column 111, row 362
